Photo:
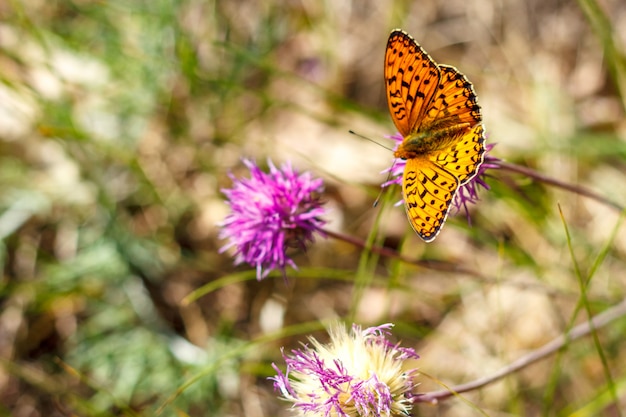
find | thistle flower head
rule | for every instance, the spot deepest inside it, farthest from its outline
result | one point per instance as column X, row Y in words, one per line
column 467, row 193
column 271, row 212
column 360, row 373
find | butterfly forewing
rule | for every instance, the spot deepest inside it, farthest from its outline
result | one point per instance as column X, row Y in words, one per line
column 411, row 80
column 453, row 103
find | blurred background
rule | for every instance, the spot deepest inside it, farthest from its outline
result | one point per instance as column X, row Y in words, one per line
column 119, row 124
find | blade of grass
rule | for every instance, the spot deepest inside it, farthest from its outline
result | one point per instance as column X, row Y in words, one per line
column 583, row 283
column 615, row 60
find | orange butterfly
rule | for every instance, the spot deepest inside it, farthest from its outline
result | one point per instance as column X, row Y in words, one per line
column 434, row 108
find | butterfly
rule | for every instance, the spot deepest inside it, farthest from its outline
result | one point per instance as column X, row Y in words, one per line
column 434, row 108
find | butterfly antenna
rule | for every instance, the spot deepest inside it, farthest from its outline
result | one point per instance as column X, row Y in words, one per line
column 371, row 140
column 380, row 193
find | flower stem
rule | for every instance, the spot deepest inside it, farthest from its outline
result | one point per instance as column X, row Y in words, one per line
column 583, row 329
column 391, row 253
column 560, row 184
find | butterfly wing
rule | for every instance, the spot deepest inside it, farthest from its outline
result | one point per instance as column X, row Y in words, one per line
column 464, row 156
column 411, row 80
column 454, row 102
column 430, row 182
column 428, row 191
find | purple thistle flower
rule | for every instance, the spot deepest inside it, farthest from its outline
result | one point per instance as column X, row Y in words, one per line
column 360, row 373
column 467, row 193
column 271, row 212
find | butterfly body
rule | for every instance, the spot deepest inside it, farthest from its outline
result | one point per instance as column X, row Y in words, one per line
column 434, row 108
column 421, row 143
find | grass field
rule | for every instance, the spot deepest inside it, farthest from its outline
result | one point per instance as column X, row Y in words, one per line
column 122, row 122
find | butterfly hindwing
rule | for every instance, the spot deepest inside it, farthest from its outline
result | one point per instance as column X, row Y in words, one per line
column 411, row 79
column 463, row 157
column 428, row 191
